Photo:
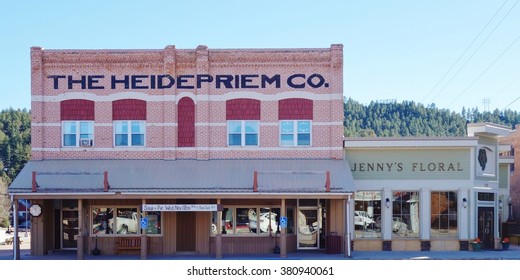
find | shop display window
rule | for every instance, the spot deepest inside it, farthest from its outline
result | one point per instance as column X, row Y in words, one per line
column 252, row 221
column 405, row 218
column 367, row 214
column 443, row 207
column 115, row 220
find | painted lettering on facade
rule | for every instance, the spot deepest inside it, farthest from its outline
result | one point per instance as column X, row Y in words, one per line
column 413, row 167
column 249, row 81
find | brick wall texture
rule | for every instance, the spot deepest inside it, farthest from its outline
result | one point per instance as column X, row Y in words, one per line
column 185, row 97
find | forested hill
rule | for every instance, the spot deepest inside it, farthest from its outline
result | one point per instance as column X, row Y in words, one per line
column 15, row 142
column 392, row 119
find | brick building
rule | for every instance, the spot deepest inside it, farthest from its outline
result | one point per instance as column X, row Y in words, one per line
column 225, row 151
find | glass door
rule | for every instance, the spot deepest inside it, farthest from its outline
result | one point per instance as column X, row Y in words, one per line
column 486, row 227
column 309, row 228
column 69, row 229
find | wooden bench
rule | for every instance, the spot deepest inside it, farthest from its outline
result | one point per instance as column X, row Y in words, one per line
column 514, row 238
column 128, row 243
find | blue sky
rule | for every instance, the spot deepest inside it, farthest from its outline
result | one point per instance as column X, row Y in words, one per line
column 404, row 50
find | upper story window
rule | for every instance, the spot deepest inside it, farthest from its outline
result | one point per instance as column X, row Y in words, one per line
column 77, row 128
column 295, row 133
column 243, row 121
column 295, row 115
column 129, row 116
column 77, row 133
column 129, row 133
column 243, row 133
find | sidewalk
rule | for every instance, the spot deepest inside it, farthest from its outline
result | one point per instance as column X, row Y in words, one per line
column 6, row 253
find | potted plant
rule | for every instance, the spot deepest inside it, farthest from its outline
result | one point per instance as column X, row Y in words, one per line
column 476, row 245
column 505, row 243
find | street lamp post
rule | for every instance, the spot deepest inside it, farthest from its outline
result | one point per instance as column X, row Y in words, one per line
column 510, row 204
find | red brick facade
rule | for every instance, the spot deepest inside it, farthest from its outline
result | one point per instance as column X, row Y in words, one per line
column 185, row 97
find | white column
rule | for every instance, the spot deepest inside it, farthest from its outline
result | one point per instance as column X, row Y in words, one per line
column 387, row 215
column 425, row 214
column 464, row 215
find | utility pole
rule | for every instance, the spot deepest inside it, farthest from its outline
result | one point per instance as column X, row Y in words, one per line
column 486, row 102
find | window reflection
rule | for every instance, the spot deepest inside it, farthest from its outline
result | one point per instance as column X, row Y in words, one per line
column 251, row 221
column 102, row 220
column 444, row 214
column 405, row 220
column 367, row 214
column 154, row 222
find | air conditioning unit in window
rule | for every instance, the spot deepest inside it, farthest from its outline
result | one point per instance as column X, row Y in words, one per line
column 85, row 142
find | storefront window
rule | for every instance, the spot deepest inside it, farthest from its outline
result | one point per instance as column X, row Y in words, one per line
column 405, row 218
column 444, row 215
column 127, row 221
column 290, row 220
column 107, row 220
column 367, row 214
column 102, row 220
column 154, row 222
column 252, row 221
column 227, row 221
column 246, row 220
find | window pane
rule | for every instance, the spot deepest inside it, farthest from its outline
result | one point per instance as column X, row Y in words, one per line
column 137, row 127
column 444, row 215
column 251, row 126
column 405, row 221
column 234, row 127
column 86, row 127
column 154, row 222
column 367, row 214
column 246, row 220
column 304, row 139
column 69, row 127
column 287, row 127
column 121, row 127
column 227, row 221
column 290, row 220
column 251, row 139
column 287, row 140
column 121, row 140
column 137, row 139
column 127, row 221
column 214, row 230
column 102, row 220
column 304, row 126
column 69, row 140
column 235, row 139
column 267, row 221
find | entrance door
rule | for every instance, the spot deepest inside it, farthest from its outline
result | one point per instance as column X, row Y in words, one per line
column 69, row 229
column 309, row 228
column 186, row 231
column 486, row 226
